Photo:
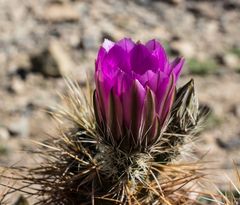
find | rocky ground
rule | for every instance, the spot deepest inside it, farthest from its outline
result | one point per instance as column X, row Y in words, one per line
column 41, row 41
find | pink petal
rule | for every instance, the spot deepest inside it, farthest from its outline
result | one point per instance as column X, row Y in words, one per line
column 176, row 67
column 101, row 54
column 153, row 44
column 123, row 82
column 103, row 88
column 127, row 44
column 146, row 77
column 141, row 59
column 161, row 56
column 116, row 59
column 107, row 44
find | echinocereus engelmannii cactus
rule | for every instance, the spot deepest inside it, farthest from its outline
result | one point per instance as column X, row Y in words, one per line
column 123, row 138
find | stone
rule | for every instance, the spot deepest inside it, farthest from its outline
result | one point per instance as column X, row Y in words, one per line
column 19, row 127
column 4, row 135
column 54, row 61
column 236, row 110
column 175, row 1
column 91, row 36
column 231, row 61
column 21, row 201
column 203, row 9
column 20, row 65
column 183, row 48
column 230, row 144
column 60, row 13
column 231, row 4
column 143, row 2
column 16, row 86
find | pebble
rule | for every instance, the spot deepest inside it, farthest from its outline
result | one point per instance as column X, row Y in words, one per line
column 203, row 9
column 231, row 144
column 17, row 86
column 60, row 13
column 20, row 127
column 175, row 1
column 231, row 61
column 183, row 48
column 236, row 110
column 4, row 135
column 54, row 61
column 21, row 201
column 91, row 36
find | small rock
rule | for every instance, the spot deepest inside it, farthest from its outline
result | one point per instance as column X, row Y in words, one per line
column 230, row 144
column 175, row 1
column 90, row 40
column 53, row 62
column 19, row 127
column 236, row 110
column 3, row 57
column 21, row 201
column 17, row 86
column 231, row 61
column 143, row 2
column 63, row 60
column 73, row 39
column 19, row 65
column 231, row 4
column 222, row 144
column 3, row 61
column 4, row 135
column 60, row 13
column 183, row 48
column 91, row 36
column 203, row 9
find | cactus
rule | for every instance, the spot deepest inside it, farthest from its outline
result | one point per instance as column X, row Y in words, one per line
column 122, row 142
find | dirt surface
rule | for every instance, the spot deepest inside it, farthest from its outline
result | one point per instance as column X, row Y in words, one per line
column 41, row 41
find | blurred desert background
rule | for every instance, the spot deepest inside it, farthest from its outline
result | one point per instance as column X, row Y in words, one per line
column 43, row 40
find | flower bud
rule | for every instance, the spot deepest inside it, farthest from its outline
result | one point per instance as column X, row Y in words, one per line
column 135, row 88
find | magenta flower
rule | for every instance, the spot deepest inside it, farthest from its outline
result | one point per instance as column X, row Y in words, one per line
column 135, row 87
